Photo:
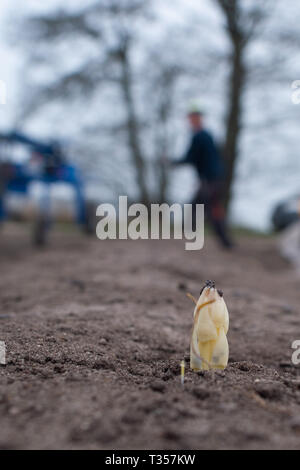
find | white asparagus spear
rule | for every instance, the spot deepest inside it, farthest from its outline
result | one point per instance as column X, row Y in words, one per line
column 209, row 346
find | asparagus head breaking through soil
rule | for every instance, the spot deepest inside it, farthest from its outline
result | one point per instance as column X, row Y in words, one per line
column 209, row 346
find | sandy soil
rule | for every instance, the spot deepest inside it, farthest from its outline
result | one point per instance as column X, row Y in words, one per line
column 95, row 333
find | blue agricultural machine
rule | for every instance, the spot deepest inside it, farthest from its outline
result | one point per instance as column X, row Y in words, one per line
column 45, row 163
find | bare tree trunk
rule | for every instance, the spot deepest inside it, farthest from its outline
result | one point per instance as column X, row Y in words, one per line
column 163, row 183
column 133, row 127
column 162, row 174
column 163, row 154
column 237, row 78
column 165, row 94
column 234, row 116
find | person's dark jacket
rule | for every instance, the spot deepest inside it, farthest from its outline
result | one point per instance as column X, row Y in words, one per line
column 205, row 157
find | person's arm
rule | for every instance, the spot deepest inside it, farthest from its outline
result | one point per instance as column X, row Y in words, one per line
column 191, row 155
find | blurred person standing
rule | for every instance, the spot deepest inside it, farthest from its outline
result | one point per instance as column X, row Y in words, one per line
column 206, row 159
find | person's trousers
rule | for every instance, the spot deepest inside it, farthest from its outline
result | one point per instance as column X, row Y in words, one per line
column 210, row 194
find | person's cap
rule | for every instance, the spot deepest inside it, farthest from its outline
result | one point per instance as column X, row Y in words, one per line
column 195, row 108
